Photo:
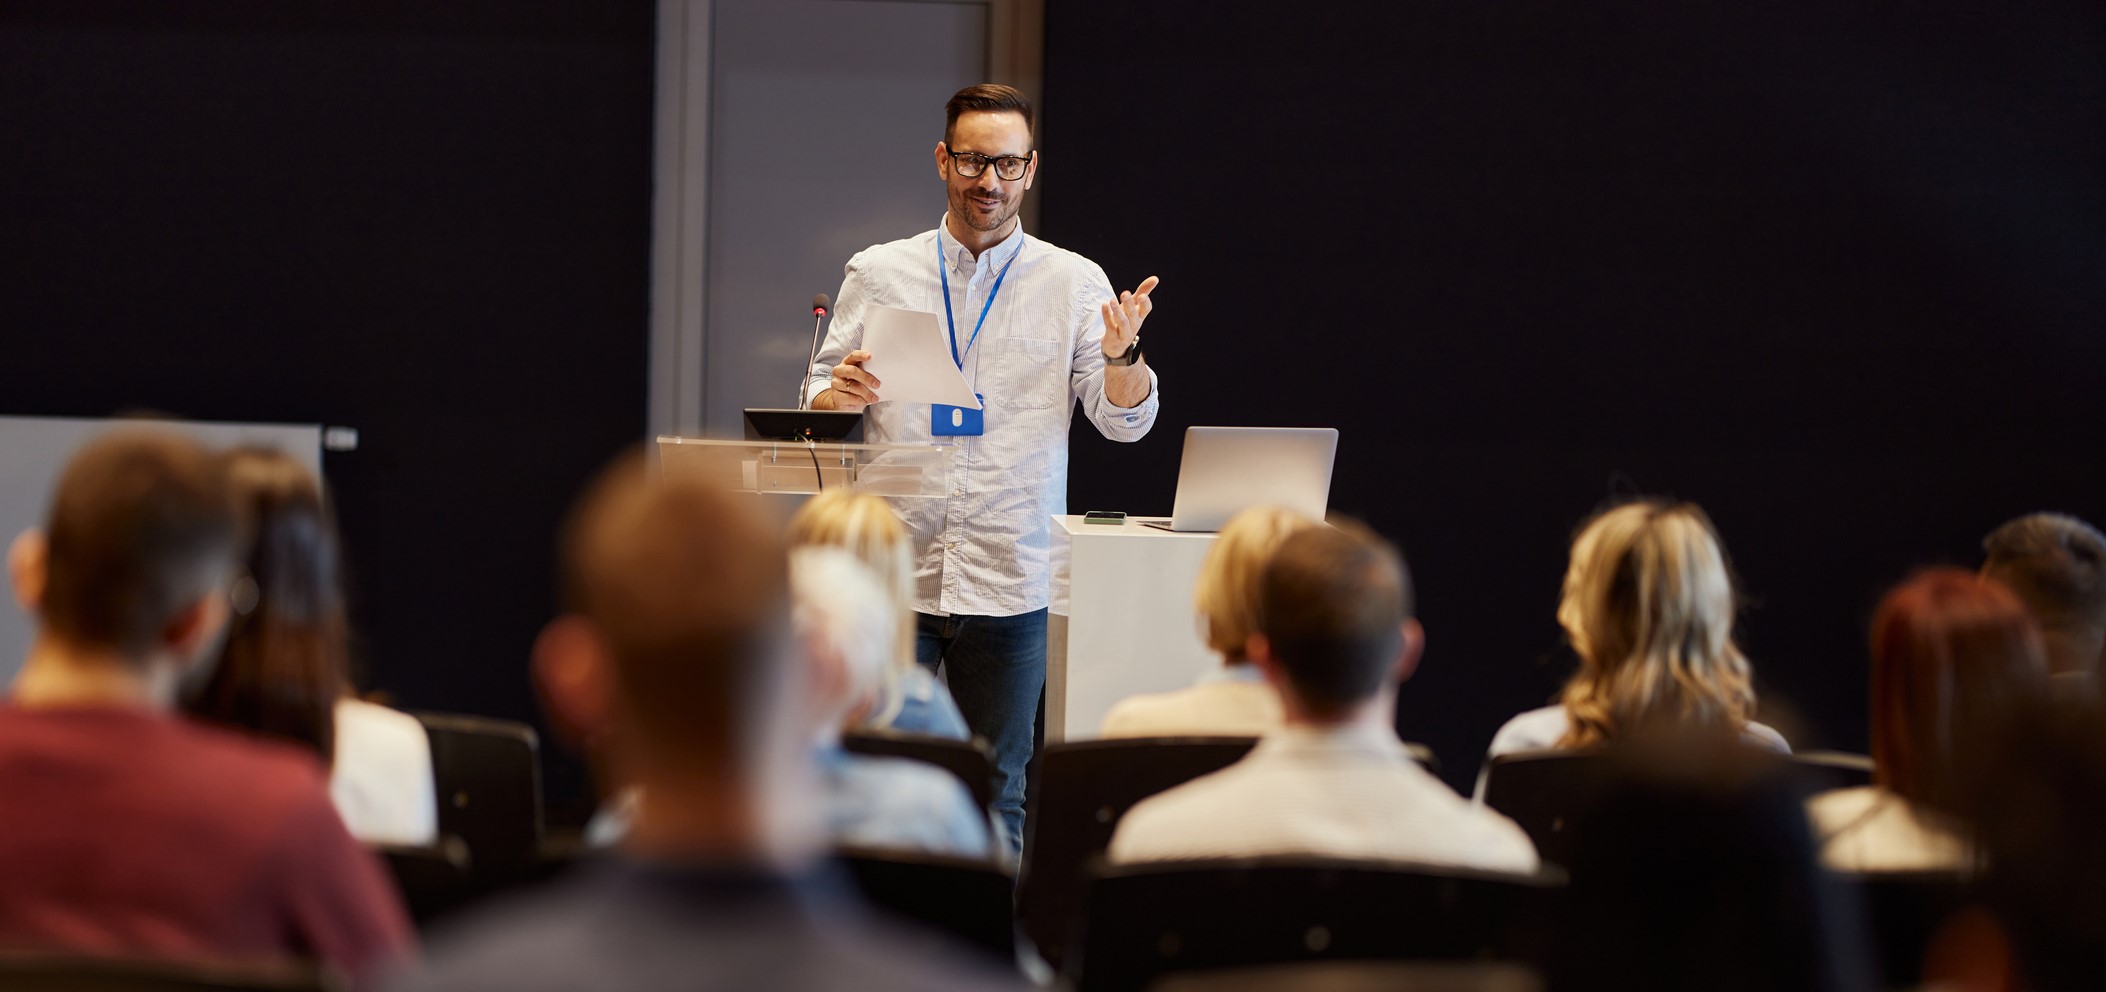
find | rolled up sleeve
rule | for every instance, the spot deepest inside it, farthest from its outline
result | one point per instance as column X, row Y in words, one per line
column 844, row 335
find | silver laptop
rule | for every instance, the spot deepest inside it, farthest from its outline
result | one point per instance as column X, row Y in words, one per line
column 1227, row 470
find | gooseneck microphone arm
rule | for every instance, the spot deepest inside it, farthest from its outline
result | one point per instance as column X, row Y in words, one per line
column 819, row 305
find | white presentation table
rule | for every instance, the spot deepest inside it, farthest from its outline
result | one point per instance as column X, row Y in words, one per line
column 1130, row 626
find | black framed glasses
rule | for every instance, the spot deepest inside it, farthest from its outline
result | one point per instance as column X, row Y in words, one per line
column 971, row 164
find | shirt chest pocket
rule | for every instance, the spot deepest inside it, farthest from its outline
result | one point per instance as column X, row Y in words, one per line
column 1026, row 374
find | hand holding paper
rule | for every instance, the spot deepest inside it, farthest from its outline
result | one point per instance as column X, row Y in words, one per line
column 909, row 356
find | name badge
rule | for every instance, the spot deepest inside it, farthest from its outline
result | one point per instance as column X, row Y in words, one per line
column 958, row 421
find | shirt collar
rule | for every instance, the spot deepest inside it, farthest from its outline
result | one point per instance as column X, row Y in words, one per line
column 962, row 261
column 1303, row 738
column 1240, row 672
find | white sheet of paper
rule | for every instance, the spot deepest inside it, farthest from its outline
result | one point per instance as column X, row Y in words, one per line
column 911, row 360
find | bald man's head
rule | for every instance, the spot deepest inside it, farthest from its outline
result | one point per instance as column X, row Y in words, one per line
column 685, row 585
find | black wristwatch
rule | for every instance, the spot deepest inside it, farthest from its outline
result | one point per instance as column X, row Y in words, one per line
column 1133, row 354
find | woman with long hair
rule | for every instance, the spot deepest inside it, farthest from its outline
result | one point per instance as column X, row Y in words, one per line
column 1648, row 607
column 1954, row 655
column 283, row 672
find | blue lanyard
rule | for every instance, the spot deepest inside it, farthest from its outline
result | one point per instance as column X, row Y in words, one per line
column 943, row 271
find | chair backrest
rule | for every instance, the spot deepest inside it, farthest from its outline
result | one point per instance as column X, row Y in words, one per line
column 1821, row 771
column 967, row 760
column 1145, row 921
column 1083, row 788
column 1903, row 911
column 488, row 777
column 1546, row 791
column 968, row 900
column 80, row 973
column 433, row 880
column 1360, row 976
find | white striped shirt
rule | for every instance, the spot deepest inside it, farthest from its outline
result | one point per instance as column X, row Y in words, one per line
column 987, row 549
column 1349, row 792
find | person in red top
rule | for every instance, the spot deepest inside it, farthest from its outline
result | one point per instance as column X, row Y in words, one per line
column 125, row 829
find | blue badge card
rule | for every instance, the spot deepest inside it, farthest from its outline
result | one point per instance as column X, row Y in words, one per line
column 957, row 421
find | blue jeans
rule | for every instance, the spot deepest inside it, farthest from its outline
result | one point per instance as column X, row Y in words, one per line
column 996, row 667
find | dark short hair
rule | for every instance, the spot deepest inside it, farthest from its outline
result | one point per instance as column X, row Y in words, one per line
column 689, row 587
column 1332, row 602
column 992, row 98
column 2056, row 563
column 140, row 528
column 285, row 662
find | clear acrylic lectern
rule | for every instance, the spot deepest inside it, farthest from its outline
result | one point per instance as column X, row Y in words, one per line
column 809, row 467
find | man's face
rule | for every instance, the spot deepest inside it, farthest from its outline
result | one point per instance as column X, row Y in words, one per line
column 986, row 202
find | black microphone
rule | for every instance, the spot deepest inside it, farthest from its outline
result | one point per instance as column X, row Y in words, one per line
column 819, row 305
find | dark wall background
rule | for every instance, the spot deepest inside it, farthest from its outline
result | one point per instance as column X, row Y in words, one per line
column 430, row 222
column 1836, row 271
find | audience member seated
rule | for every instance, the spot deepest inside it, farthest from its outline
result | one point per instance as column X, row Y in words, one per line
column 2057, row 566
column 132, row 831
column 2032, row 803
column 1951, row 653
column 1335, row 638
column 1234, row 701
column 1648, row 606
column 284, row 670
column 1696, row 870
column 843, row 617
column 911, row 699
column 676, row 650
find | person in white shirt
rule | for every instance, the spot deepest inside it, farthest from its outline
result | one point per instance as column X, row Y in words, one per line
column 1035, row 329
column 282, row 670
column 1648, row 605
column 1234, row 701
column 1954, row 655
column 1335, row 639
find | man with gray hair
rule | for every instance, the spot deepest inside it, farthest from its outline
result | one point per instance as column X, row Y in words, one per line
column 2056, row 563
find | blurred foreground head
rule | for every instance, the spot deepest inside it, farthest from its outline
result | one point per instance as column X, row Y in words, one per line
column 672, row 653
column 134, row 559
column 2035, row 807
column 1697, row 869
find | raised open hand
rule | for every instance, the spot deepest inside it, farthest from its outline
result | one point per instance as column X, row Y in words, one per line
column 1123, row 317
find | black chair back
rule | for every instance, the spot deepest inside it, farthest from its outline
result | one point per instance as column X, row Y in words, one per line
column 80, row 973
column 1146, row 921
column 433, row 880
column 968, row 900
column 1083, row 788
column 1547, row 791
column 488, row 777
column 1360, row 976
column 1903, row 911
column 967, row 760
column 1821, row 771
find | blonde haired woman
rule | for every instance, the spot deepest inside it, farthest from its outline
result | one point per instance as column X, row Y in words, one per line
column 909, row 699
column 1648, row 606
column 1234, row 701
